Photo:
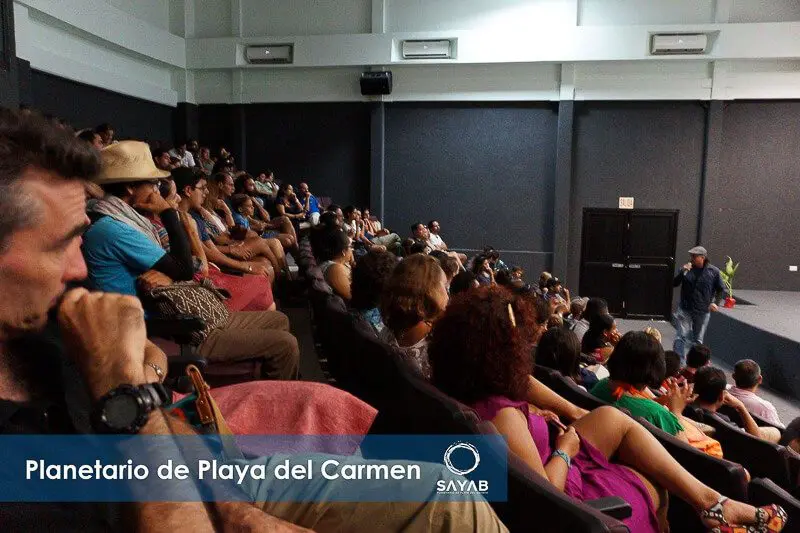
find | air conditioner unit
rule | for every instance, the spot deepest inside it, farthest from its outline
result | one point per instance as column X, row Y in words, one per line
column 271, row 53
column 441, row 49
column 678, row 44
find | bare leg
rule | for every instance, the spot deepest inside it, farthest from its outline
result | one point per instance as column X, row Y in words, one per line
column 277, row 250
column 613, row 432
column 261, row 248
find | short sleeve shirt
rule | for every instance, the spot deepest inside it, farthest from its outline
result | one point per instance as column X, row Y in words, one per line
column 117, row 254
column 651, row 411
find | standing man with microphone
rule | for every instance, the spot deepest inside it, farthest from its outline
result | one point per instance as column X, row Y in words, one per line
column 701, row 284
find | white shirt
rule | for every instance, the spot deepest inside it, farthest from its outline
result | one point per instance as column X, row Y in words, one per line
column 187, row 160
column 436, row 241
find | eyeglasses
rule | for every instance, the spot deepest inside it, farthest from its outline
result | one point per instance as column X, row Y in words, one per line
column 204, row 188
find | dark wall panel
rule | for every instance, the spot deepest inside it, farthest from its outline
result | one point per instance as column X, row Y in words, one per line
column 324, row 144
column 485, row 171
column 652, row 151
column 9, row 76
column 752, row 210
column 85, row 106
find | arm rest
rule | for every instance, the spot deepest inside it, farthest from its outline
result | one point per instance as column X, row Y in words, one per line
column 612, row 506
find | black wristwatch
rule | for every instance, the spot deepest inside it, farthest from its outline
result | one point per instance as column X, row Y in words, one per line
column 125, row 409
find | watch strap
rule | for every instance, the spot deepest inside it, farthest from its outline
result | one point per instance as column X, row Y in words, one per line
column 564, row 455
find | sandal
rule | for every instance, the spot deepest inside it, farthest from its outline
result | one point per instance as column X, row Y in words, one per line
column 769, row 519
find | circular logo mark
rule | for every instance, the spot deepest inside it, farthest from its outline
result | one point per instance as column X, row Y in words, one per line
column 462, row 446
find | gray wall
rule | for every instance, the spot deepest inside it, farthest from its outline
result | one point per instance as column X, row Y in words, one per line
column 486, row 172
column 652, row 151
column 752, row 210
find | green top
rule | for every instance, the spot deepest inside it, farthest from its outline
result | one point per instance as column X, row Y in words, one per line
column 653, row 412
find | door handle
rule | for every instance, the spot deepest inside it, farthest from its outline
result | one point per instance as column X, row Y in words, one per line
column 617, row 265
column 634, row 265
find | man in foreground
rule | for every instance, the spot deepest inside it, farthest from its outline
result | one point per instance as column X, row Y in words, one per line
column 42, row 218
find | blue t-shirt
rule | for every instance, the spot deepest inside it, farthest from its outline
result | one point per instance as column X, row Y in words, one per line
column 117, row 254
column 202, row 231
column 313, row 204
column 240, row 220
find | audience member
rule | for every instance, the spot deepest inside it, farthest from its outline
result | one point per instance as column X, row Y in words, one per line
column 601, row 337
column 481, row 355
column 412, row 300
column 653, row 332
column 710, row 386
column 161, row 159
column 436, row 242
column 260, row 220
column 266, row 186
column 559, row 349
column 699, row 356
column 555, row 292
column 184, row 156
column 287, row 204
column 673, row 364
column 594, row 307
column 483, row 270
column 93, row 138
column 204, row 161
column 106, row 132
column 370, row 275
column 337, row 261
column 463, row 281
column 310, row 204
column 747, row 376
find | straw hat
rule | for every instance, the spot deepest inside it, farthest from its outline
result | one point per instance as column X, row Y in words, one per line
column 128, row 161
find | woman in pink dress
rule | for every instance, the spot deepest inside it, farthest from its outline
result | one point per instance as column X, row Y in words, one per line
column 480, row 354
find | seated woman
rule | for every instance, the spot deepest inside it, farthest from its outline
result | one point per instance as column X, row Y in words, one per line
column 601, row 337
column 637, row 364
column 259, row 220
column 288, row 205
column 482, row 269
column 240, row 244
column 559, row 349
column 480, row 354
column 370, row 275
column 337, row 260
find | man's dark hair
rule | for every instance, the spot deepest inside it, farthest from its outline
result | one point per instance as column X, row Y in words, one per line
column 430, row 224
column 552, row 283
column 104, row 127
column 418, row 247
column 30, row 142
column 332, row 208
column 699, row 355
column 462, row 282
column 87, row 136
column 560, row 349
column 370, row 274
column 334, row 244
column 542, row 308
column 709, row 383
column 414, row 227
column 638, row 360
column 349, row 210
column 503, row 277
column 157, row 152
column 185, row 177
column 673, row 362
column 746, row 373
column 595, row 307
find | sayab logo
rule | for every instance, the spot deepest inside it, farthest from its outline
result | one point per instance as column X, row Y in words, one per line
column 462, row 458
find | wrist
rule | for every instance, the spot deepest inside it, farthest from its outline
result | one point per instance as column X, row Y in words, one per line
column 101, row 387
column 562, row 455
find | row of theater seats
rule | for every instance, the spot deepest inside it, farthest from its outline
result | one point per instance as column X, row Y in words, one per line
column 373, row 371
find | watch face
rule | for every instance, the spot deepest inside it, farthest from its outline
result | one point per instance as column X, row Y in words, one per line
column 121, row 411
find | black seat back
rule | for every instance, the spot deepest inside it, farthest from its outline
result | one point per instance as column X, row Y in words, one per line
column 566, row 388
column 759, row 457
column 724, row 476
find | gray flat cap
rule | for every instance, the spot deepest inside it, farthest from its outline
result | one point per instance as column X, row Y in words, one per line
column 698, row 250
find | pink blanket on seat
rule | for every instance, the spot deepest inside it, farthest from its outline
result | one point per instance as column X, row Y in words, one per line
column 293, row 408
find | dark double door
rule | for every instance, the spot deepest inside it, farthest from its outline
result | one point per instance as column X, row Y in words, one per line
column 628, row 259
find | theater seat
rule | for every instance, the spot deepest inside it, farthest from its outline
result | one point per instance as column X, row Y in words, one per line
column 761, row 458
column 736, row 418
column 724, row 476
column 566, row 388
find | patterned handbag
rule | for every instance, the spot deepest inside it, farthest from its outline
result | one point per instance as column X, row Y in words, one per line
column 200, row 299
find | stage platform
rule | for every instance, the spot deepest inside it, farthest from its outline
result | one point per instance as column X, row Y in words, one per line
column 767, row 331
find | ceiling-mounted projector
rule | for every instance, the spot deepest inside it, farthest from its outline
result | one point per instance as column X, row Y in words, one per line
column 438, row 49
column 270, row 54
column 678, row 44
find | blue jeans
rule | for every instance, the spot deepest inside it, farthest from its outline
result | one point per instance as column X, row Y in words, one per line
column 690, row 329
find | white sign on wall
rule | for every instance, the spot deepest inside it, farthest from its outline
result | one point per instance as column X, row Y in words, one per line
column 626, row 202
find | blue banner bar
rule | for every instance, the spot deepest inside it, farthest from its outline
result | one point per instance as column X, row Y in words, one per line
column 379, row 468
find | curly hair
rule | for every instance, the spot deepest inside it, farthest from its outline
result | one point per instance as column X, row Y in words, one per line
column 479, row 348
column 369, row 277
column 409, row 295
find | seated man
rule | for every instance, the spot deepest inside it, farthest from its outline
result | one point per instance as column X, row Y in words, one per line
column 355, row 225
column 310, row 204
column 699, row 356
column 747, row 376
column 122, row 250
column 185, row 157
column 437, row 243
column 710, row 386
column 107, row 350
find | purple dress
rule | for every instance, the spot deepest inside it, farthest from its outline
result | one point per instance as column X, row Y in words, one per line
column 591, row 475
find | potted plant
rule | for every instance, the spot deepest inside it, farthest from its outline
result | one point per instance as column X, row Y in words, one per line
column 728, row 273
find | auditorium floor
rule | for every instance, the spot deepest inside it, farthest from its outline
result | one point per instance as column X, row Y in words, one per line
column 787, row 408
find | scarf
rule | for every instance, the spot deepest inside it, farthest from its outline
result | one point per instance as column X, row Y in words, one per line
column 115, row 208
